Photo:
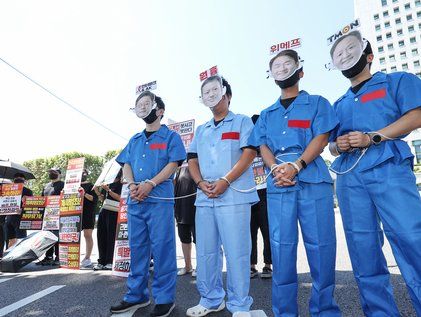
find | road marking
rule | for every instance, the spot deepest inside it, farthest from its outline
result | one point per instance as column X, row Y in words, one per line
column 8, row 309
column 5, row 279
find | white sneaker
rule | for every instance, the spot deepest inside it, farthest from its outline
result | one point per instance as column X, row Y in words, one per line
column 109, row 266
column 194, row 273
column 183, row 271
column 86, row 263
column 241, row 314
column 199, row 310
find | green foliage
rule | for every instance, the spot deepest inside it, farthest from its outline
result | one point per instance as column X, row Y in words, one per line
column 417, row 168
column 40, row 166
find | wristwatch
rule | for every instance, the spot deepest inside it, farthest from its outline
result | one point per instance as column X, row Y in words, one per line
column 376, row 139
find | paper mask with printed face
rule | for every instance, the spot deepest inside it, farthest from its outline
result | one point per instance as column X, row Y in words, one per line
column 283, row 67
column 144, row 106
column 212, row 91
column 347, row 50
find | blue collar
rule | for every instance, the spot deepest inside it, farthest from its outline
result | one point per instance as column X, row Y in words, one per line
column 161, row 133
column 211, row 123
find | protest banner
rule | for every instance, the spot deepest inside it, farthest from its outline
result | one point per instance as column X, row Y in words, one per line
column 259, row 172
column 121, row 260
column 32, row 213
column 51, row 219
column 70, row 229
column 73, row 175
column 186, row 131
column 10, row 199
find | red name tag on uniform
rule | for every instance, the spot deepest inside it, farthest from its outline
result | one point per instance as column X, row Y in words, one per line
column 299, row 124
column 230, row 136
column 377, row 94
column 158, row 146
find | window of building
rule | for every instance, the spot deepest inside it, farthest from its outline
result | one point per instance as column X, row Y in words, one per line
column 390, row 46
column 384, row 3
column 387, row 24
column 407, row 6
column 393, row 69
column 398, row 21
column 411, row 29
column 385, row 14
column 383, row 70
column 418, row 3
column 419, row 14
column 388, row 35
column 417, row 63
column 399, row 32
column 382, row 60
column 419, row 26
column 392, row 58
column 376, row 17
column 414, row 51
column 417, row 143
column 396, row 10
column 394, row 1
column 377, row 27
column 409, row 17
column 401, row 43
column 380, row 49
column 403, row 55
column 418, row 74
column 405, row 66
column 379, row 38
column 413, row 40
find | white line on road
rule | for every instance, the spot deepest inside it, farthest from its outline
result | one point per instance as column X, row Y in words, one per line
column 8, row 309
column 5, row 279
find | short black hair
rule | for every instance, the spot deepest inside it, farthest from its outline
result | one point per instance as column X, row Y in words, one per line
column 159, row 102
column 19, row 175
column 228, row 86
column 291, row 53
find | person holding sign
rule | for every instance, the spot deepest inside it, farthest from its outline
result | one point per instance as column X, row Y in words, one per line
column 149, row 161
column 375, row 178
column 292, row 134
column 13, row 221
column 218, row 158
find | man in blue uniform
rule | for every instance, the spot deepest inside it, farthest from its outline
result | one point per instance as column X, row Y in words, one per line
column 150, row 160
column 219, row 161
column 293, row 132
column 375, row 114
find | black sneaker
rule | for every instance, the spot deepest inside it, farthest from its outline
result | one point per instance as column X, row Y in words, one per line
column 253, row 272
column 56, row 262
column 266, row 272
column 125, row 306
column 162, row 310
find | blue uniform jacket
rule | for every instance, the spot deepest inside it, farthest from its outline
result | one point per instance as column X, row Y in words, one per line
column 381, row 101
column 287, row 133
column 148, row 156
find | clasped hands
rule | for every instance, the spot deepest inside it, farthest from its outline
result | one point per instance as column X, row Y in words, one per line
column 283, row 175
column 140, row 191
column 354, row 139
column 213, row 189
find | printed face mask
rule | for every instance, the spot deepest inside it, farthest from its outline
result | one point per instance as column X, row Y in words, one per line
column 144, row 107
column 283, row 67
column 212, row 91
column 347, row 51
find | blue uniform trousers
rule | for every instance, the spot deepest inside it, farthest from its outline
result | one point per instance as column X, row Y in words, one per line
column 312, row 206
column 151, row 230
column 229, row 226
column 388, row 192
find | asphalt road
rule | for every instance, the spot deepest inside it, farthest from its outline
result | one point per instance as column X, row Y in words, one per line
column 40, row 291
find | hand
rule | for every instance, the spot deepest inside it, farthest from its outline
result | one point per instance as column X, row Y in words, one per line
column 284, row 175
column 133, row 191
column 359, row 139
column 218, row 188
column 342, row 143
column 105, row 187
column 205, row 187
column 142, row 191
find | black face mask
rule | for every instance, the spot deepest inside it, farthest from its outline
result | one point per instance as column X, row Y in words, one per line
column 291, row 81
column 18, row 181
column 150, row 118
column 84, row 177
column 357, row 68
column 52, row 176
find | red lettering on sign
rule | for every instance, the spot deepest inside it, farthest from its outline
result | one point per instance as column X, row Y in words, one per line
column 299, row 124
column 376, row 94
column 158, row 146
column 230, row 136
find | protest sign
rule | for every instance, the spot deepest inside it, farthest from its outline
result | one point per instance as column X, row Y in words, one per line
column 51, row 219
column 186, row 131
column 73, row 175
column 10, row 199
column 259, row 172
column 32, row 213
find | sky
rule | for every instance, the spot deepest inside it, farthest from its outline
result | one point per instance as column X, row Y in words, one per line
column 93, row 54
